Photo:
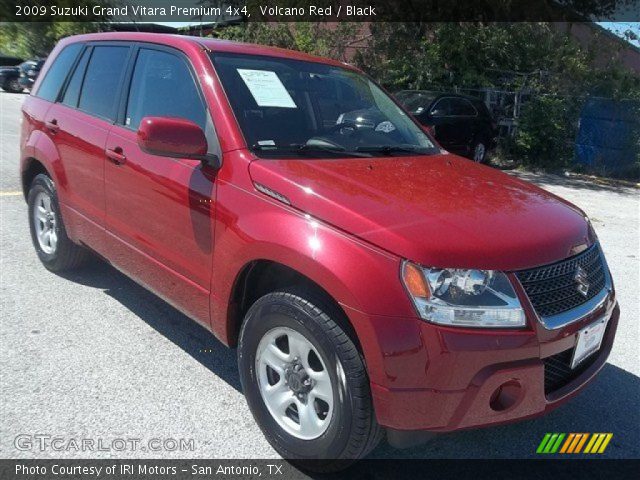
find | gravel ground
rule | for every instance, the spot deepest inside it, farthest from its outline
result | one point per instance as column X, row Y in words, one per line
column 92, row 355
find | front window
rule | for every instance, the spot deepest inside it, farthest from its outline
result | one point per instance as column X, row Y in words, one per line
column 299, row 109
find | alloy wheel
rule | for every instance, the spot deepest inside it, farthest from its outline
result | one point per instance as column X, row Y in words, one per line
column 294, row 383
column 44, row 221
column 479, row 152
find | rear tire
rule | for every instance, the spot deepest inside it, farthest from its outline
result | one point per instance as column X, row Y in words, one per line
column 54, row 248
column 344, row 427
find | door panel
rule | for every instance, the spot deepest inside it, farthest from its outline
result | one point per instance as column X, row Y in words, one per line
column 159, row 209
column 454, row 124
column 160, row 223
column 80, row 127
column 444, row 125
column 80, row 140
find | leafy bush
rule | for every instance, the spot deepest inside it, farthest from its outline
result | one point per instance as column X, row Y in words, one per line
column 546, row 132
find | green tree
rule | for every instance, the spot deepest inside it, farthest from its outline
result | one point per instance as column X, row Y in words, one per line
column 558, row 73
column 317, row 38
column 38, row 37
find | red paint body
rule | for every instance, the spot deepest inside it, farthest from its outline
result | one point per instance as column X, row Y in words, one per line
column 186, row 231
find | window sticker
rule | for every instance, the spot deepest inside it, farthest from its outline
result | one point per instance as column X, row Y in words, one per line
column 266, row 88
column 386, row 127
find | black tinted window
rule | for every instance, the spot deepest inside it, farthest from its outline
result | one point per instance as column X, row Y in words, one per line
column 73, row 89
column 462, row 107
column 442, row 108
column 55, row 77
column 100, row 86
column 162, row 86
column 416, row 102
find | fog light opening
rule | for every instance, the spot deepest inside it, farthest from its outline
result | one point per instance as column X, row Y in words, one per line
column 505, row 396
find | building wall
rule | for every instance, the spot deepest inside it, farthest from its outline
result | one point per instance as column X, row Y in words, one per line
column 608, row 45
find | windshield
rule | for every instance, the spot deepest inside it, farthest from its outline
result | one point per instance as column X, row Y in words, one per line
column 300, row 109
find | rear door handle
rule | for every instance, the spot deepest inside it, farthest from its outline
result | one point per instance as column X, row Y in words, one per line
column 116, row 156
column 52, row 125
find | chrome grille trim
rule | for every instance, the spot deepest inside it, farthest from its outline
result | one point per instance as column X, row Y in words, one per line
column 549, row 288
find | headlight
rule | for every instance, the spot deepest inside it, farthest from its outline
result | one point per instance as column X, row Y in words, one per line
column 457, row 297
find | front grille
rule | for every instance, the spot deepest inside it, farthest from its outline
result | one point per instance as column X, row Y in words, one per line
column 558, row 372
column 552, row 289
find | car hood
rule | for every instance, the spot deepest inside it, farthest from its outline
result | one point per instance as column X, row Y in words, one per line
column 439, row 210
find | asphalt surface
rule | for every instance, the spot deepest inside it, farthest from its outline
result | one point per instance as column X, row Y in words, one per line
column 90, row 354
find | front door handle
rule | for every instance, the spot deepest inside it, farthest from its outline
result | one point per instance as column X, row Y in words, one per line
column 116, row 156
column 52, row 126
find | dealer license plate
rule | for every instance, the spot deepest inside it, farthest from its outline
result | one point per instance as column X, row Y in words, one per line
column 589, row 341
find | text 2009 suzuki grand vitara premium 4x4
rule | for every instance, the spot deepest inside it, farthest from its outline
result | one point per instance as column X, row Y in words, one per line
column 369, row 279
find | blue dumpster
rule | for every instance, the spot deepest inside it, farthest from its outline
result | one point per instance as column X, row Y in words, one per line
column 608, row 139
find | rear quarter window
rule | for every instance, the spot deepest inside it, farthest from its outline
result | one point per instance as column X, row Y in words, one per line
column 72, row 92
column 57, row 73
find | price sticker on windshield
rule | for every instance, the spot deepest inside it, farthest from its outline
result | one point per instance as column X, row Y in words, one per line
column 266, row 88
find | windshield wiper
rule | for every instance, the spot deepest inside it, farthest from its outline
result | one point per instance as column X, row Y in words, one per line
column 303, row 148
column 389, row 149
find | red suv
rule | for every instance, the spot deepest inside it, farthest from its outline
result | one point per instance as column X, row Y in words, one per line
column 370, row 280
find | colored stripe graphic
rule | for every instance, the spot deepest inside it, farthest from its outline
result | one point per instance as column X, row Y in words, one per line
column 550, row 443
column 581, row 443
column 574, row 442
column 607, row 439
column 567, row 443
column 544, row 441
column 592, row 440
column 556, row 446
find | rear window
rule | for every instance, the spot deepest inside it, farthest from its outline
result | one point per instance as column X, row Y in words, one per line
column 102, row 80
column 55, row 77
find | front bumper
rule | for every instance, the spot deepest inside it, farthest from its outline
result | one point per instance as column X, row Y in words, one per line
column 450, row 378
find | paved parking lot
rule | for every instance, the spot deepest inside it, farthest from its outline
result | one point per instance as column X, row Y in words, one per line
column 90, row 354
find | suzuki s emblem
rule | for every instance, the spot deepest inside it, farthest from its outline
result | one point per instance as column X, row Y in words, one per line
column 582, row 281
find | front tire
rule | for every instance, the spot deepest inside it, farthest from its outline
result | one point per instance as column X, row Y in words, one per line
column 54, row 248
column 479, row 153
column 292, row 348
column 12, row 86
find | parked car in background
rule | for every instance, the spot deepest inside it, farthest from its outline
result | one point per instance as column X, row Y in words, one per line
column 370, row 280
column 9, row 79
column 29, row 71
column 462, row 124
column 20, row 77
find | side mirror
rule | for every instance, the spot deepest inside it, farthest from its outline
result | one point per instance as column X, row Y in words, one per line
column 174, row 137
